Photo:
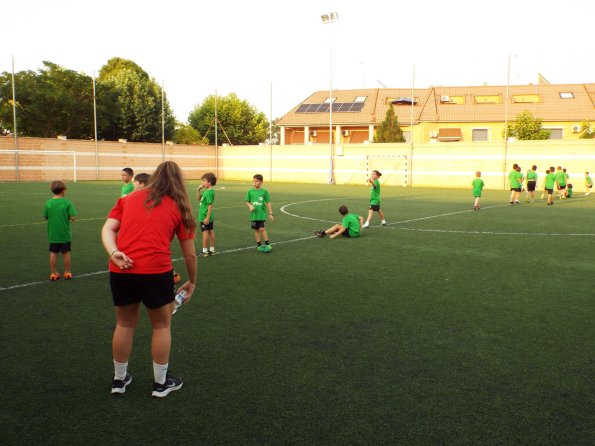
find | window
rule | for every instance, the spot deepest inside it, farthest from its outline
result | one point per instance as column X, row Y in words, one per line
column 361, row 99
column 555, row 133
column 449, row 134
column 479, row 135
column 526, row 98
column 566, row 95
column 329, row 100
column 488, row 99
column 459, row 100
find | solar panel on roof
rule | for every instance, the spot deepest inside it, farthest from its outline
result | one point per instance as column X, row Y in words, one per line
column 338, row 107
column 357, row 107
column 324, row 108
column 302, row 108
column 345, row 106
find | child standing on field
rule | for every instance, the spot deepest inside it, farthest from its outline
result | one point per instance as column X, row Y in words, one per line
column 550, row 182
column 478, row 185
column 374, row 198
column 588, row 184
column 59, row 212
column 128, row 187
column 259, row 202
column 206, row 195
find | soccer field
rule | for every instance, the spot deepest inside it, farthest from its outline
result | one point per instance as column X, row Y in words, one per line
column 447, row 326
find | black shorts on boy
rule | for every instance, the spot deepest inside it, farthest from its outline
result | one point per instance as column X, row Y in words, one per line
column 375, row 207
column 208, row 227
column 257, row 224
column 60, row 247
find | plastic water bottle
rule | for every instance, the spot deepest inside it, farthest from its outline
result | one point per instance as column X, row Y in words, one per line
column 179, row 300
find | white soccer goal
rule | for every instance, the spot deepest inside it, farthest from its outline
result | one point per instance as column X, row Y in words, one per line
column 38, row 165
column 394, row 168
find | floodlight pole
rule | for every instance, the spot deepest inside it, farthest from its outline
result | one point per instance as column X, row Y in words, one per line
column 329, row 19
column 95, row 126
column 510, row 56
column 14, row 120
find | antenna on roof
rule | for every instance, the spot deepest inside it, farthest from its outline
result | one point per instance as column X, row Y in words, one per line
column 381, row 84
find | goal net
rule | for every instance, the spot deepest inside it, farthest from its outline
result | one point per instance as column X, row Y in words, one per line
column 394, row 168
column 37, row 165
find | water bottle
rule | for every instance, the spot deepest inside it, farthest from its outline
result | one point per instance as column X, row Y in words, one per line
column 179, row 300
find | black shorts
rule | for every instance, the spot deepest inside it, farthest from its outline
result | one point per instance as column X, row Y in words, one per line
column 531, row 186
column 60, row 247
column 257, row 224
column 550, row 191
column 346, row 233
column 516, row 189
column 375, row 207
column 204, row 227
column 153, row 290
column 561, row 187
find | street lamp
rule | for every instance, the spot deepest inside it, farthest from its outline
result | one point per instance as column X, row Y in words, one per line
column 329, row 19
column 510, row 56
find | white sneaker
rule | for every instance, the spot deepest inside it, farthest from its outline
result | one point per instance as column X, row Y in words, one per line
column 383, row 222
column 366, row 225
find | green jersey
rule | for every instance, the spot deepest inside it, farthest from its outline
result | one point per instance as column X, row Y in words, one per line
column 478, row 185
column 588, row 181
column 259, row 199
column 514, row 179
column 569, row 192
column 531, row 175
column 207, row 198
column 127, row 188
column 561, row 178
column 351, row 222
column 550, row 180
column 375, row 192
column 57, row 212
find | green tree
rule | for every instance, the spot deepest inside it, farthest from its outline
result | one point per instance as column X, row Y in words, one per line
column 587, row 131
column 137, row 115
column 527, row 127
column 186, row 134
column 389, row 130
column 239, row 121
column 52, row 101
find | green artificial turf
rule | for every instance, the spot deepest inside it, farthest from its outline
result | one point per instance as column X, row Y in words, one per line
column 447, row 326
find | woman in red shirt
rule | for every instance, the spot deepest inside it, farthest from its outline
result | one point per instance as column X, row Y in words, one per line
column 137, row 236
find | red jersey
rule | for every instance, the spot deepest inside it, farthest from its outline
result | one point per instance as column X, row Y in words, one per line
column 145, row 234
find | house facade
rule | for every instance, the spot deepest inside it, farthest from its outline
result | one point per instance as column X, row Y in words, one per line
column 439, row 114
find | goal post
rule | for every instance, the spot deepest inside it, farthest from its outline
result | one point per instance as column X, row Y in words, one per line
column 394, row 168
column 38, row 165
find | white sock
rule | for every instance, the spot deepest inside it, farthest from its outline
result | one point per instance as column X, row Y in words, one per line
column 205, row 250
column 120, row 370
column 160, row 372
column 212, row 249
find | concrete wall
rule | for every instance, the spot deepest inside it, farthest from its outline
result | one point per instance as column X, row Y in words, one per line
column 437, row 165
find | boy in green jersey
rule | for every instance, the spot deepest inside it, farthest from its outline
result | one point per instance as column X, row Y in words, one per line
column 478, row 185
column 374, row 199
column 351, row 225
column 258, row 201
column 206, row 195
column 59, row 212
column 128, row 187
column 531, row 178
column 515, row 180
column 588, row 184
column 569, row 190
column 561, row 182
column 550, row 182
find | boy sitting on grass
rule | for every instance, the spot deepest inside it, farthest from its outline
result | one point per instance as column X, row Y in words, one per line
column 351, row 225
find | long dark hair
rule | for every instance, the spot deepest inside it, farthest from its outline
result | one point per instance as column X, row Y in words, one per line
column 168, row 179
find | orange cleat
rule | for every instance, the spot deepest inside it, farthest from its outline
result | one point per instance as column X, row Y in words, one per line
column 54, row 277
column 67, row 276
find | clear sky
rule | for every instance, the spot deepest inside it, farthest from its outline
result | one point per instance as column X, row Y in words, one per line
column 197, row 47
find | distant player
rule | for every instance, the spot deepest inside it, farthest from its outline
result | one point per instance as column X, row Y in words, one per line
column 128, row 187
column 206, row 196
column 478, row 186
column 374, row 199
column 515, row 183
column 259, row 202
column 351, row 226
column 569, row 190
column 59, row 212
column 531, row 178
column 561, row 182
column 588, row 184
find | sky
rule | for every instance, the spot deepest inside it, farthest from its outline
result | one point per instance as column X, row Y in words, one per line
column 276, row 53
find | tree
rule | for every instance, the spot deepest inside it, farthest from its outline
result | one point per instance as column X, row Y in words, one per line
column 389, row 130
column 239, row 122
column 587, row 132
column 137, row 115
column 526, row 127
column 186, row 134
column 52, row 101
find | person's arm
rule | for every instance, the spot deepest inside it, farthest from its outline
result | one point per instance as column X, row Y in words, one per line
column 189, row 254
column 250, row 206
column 271, row 217
column 361, row 224
column 208, row 217
column 198, row 191
column 341, row 230
column 109, row 234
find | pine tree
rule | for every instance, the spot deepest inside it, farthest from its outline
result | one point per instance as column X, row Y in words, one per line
column 389, row 130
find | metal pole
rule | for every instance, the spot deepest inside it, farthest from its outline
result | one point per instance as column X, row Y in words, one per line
column 216, row 142
column 14, row 118
column 163, row 120
column 271, row 133
column 506, row 125
column 410, row 173
column 330, row 110
column 95, row 124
